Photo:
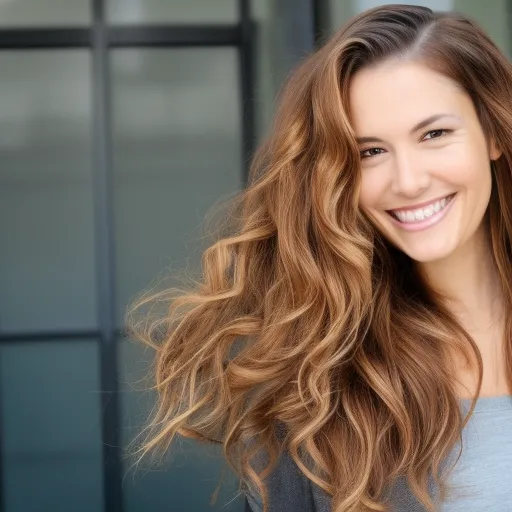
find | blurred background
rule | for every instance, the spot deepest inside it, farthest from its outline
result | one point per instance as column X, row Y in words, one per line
column 122, row 123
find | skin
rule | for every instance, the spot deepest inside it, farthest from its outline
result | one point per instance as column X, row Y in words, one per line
column 402, row 168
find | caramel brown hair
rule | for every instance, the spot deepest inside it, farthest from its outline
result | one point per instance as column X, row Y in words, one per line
column 305, row 321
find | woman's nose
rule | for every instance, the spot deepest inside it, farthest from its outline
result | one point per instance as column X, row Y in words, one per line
column 410, row 178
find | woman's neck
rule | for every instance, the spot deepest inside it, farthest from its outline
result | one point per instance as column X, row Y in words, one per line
column 469, row 280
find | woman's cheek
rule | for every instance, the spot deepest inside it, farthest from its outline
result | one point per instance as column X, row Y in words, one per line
column 373, row 188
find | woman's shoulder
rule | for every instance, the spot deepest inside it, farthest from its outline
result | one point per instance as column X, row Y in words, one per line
column 289, row 489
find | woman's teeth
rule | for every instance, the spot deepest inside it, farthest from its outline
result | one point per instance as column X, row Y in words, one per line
column 421, row 213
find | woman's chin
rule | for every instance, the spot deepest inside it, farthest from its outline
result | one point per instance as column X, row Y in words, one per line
column 426, row 254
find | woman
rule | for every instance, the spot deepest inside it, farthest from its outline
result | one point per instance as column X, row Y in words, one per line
column 349, row 344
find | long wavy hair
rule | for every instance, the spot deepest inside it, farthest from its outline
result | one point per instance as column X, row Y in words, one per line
column 307, row 331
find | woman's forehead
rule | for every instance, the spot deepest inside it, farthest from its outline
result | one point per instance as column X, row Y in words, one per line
column 402, row 94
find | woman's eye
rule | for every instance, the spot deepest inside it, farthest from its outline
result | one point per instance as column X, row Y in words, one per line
column 435, row 134
column 368, row 153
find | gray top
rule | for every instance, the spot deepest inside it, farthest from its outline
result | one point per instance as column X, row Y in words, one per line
column 482, row 476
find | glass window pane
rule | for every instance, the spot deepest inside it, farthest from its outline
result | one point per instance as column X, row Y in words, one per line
column 173, row 11
column 47, row 12
column 47, row 277
column 285, row 36
column 177, row 151
column 189, row 480
column 51, row 426
column 494, row 17
column 435, row 5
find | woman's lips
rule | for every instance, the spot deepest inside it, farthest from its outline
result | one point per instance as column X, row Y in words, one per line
column 411, row 220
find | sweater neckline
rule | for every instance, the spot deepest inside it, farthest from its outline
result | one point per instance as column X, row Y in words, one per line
column 489, row 403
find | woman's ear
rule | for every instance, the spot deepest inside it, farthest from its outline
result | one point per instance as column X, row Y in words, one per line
column 494, row 151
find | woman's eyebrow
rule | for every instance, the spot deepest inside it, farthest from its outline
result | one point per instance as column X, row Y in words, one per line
column 414, row 129
column 430, row 120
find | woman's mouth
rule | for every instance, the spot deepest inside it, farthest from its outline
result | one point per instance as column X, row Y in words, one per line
column 420, row 218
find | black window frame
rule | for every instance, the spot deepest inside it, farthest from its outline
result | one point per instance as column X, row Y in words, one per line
column 100, row 37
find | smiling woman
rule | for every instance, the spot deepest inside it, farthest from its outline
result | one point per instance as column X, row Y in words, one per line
column 350, row 343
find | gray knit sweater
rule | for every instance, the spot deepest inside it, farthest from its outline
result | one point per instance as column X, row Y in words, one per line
column 483, row 474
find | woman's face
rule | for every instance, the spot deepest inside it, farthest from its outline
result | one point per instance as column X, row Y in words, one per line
column 426, row 177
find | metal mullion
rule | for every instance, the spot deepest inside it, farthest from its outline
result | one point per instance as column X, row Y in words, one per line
column 321, row 17
column 246, row 63
column 173, row 35
column 139, row 35
column 42, row 336
column 44, row 38
column 103, row 193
